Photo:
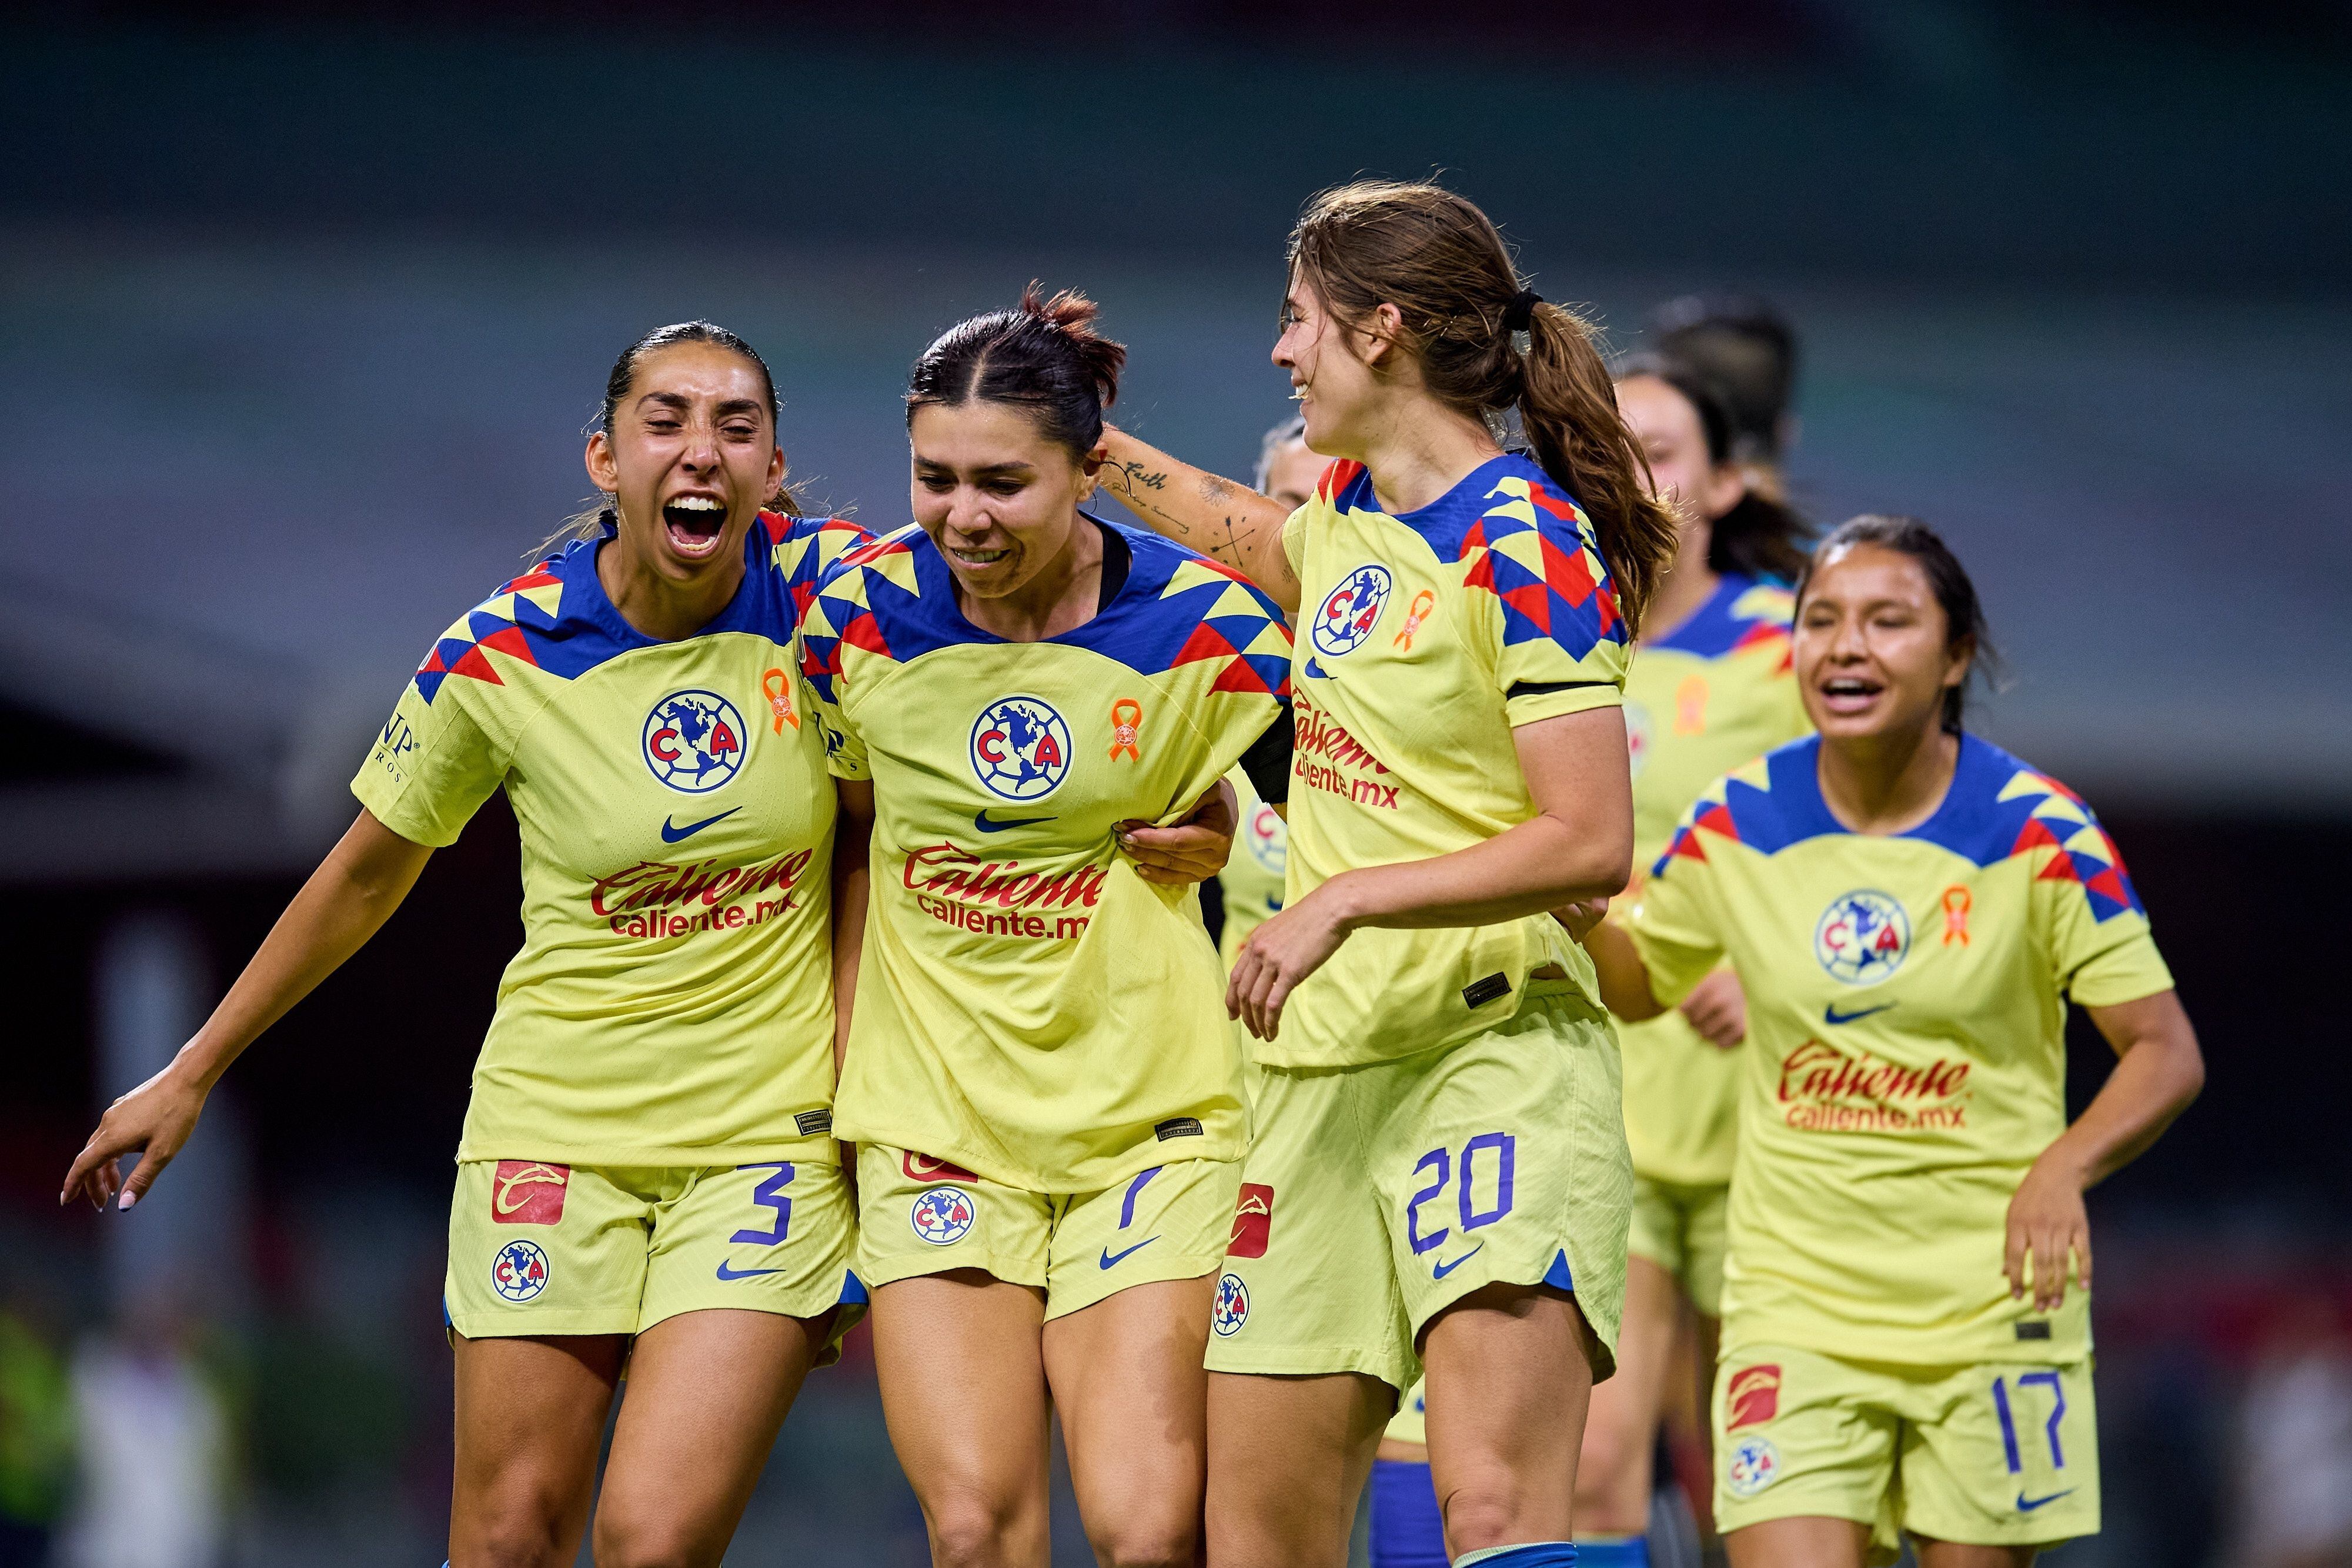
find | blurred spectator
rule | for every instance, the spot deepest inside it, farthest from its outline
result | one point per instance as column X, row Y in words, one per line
column 154, row 1439
column 2294, row 1444
column 36, row 1435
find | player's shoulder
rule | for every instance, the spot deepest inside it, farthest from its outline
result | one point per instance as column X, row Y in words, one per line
column 553, row 618
column 1527, row 542
column 2001, row 808
column 1764, row 806
column 1743, row 615
column 1178, row 609
column 804, row 549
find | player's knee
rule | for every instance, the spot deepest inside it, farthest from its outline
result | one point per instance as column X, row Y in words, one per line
column 1612, row 1482
column 1137, row 1543
column 1484, row 1513
column 972, row 1529
column 517, row 1535
column 634, row 1539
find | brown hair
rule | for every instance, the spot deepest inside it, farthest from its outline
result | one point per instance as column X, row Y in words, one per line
column 1045, row 356
column 1439, row 260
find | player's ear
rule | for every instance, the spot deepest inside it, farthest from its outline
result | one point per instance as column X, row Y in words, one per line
column 602, row 471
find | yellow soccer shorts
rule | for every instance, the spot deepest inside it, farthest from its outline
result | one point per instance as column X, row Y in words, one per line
column 918, row 1216
column 1681, row 1229
column 1992, row 1454
column 541, row 1249
column 1374, row 1197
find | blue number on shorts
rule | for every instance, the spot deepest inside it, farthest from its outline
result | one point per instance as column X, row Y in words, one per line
column 1445, row 1164
column 769, row 1194
column 1506, row 1156
column 2009, row 1426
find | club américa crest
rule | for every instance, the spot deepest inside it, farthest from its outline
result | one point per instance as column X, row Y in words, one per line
column 1268, row 840
column 1753, row 1464
column 1019, row 748
column 1231, row 1309
column 1350, row 610
column 694, row 741
column 942, row 1215
column 1863, row 936
column 519, row 1271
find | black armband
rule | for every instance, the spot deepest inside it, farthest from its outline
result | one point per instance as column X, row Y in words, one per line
column 1267, row 761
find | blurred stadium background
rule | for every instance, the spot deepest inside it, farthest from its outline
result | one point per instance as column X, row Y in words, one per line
column 302, row 309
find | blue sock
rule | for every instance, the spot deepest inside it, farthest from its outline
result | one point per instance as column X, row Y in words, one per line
column 1624, row 1552
column 1407, row 1530
column 1528, row 1554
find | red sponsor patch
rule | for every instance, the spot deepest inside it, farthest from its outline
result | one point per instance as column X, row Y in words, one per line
column 1753, row 1395
column 528, row 1192
column 1253, row 1222
column 922, row 1168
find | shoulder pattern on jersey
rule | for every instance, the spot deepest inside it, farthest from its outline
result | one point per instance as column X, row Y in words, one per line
column 555, row 618
column 1742, row 615
column 804, row 549
column 1533, row 546
column 895, row 598
column 1997, row 808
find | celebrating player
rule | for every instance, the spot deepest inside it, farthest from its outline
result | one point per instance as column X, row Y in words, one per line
column 646, row 1176
column 1440, row 1174
column 1711, row 687
column 1908, row 907
column 1745, row 349
column 1047, row 1094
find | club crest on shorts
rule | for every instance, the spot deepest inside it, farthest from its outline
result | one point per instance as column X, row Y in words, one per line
column 519, row 1271
column 1863, row 936
column 1350, row 610
column 1753, row 1464
column 1231, row 1309
column 694, row 741
column 942, row 1215
column 1019, row 748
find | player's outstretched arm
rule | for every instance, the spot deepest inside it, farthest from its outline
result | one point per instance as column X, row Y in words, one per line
column 1227, row 522
column 347, row 899
column 1578, row 845
column 2158, row 1072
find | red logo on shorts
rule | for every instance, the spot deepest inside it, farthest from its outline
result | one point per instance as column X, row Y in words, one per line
column 525, row 1192
column 1253, row 1222
column 1753, row 1395
column 923, row 1168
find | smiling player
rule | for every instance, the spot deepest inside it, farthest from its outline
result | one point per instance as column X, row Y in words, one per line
column 1044, row 1086
column 646, row 1176
column 1909, row 909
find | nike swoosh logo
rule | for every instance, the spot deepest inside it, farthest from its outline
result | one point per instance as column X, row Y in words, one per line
column 1832, row 1015
column 726, row 1273
column 1441, row 1270
column 979, row 819
column 1315, row 671
column 672, row 833
column 2027, row 1505
column 1109, row 1257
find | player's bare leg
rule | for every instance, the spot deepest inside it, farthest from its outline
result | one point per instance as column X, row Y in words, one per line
column 963, row 1391
column 1509, row 1377
column 1959, row 1555
column 706, row 1394
column 1287, row 1459
column 1808, row 1542
column 1127, row 1380
column 531, row 1417
column 1613, row 1475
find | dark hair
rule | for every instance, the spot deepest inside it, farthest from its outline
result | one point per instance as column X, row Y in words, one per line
column 1746, row 348
column 1964, row 617
column 1439, row 261
column 1759, row 537
column 1271, row 444
column 1045, row 356
column 592, row 519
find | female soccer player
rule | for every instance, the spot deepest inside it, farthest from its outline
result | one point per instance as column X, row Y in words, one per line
column 1711, row 686
column 646, row 1176
column 1048, row 1096
column 1910, row 909
column 1439, row 1176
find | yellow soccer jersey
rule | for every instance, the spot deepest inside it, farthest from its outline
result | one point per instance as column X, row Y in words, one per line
column 1424, row 638
column 1906, row 1055
column 1251, row 881
column 1027, row 1007
column 672, row 1004
column 1715, row 692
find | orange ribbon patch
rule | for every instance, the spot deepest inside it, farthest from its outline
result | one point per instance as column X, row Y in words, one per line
column 1690, row 706
column 1126, row 725
column 1956, row 916
column 1423, row 602
column 779, row 688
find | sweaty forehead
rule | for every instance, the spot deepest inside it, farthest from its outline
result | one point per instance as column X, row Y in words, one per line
column 699, row 370
column 1861, row 573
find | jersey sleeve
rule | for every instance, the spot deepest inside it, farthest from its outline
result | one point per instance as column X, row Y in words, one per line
column 437, row 759
column 1562, row 646
column 2102, row 951
column 834, row 606
column 1674, row 925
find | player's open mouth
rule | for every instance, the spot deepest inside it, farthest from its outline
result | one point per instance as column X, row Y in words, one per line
column 1850, row 694
column 694, row 523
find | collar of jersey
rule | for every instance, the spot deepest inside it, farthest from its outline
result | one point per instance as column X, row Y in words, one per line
column 1458, row 507
column 577, row 567
column 1711, row 628
column 1958, row 823
column 932, row 569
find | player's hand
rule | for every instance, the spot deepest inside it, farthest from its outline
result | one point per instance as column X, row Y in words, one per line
column 1195, row 849
column 1279, row 954
column 2046, row 1222
column 1581, row 916
column 1717, row 1009
column 153, row 1121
